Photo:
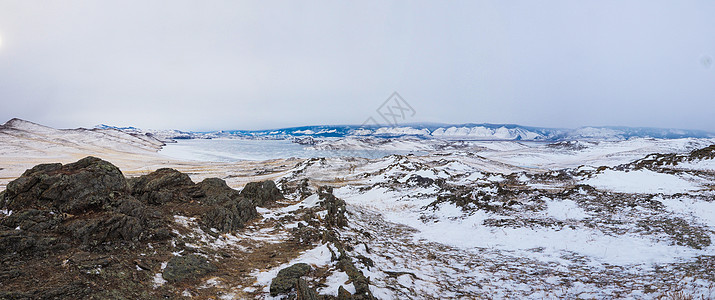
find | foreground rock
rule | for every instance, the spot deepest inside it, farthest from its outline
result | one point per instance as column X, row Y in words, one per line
column 86, row 185
column 82, row 230
column 287, row 279
column 214, row 202
column 86, row 202
column 229, row 211
column 263, row 194
column 163, row 186
column 190, row 266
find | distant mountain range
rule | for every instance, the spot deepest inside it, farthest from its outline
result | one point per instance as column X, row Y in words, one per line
column 507, row 132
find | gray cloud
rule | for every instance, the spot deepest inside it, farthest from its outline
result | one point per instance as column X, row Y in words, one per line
column 230, row 65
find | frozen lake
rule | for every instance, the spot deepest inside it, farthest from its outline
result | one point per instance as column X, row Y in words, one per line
column 227, row 150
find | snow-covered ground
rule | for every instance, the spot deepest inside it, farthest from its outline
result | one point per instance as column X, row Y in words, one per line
column 643, row 181
column 516, row 220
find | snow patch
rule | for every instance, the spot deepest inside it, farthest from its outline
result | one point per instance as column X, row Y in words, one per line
column 641, row 181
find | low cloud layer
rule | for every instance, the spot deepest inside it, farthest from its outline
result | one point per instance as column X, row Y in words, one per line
column 249, row 65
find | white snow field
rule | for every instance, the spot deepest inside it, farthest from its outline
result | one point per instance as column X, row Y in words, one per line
column 479, row 223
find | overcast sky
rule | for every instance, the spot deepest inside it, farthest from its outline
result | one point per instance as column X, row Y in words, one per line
column 205, row 65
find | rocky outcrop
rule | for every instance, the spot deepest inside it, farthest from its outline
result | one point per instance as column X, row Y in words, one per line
column 187, row 267
column 162, row 186
column 86, row 202
column 82, row 231
column 218, row 205
column 336, row 208
column 304, row 292
column 66, row 222
column 263, row 194
column 287, row 279
column 659, row 161
column 216, row 189
column 360, row 282
column 420, row 181
column 86, row 185
column 228, row 210
column 230, row 215
column 82, row 225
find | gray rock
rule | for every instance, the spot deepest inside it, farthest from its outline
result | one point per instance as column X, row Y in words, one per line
column 162, row 186
column 216, row 188
column 106, row 227
column 287, row 279
column 304, row 292
column 191, row 266
column 227, row 210
column 86, row 202
column 230, row 215
column 361, row 283
column 263, row 194
column 336, row 208
column 74, row 188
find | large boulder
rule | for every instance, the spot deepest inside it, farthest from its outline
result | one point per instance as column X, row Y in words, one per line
column 190, row 266
column 287, row 279
column 103, row 228
column 86, row 202
column 162, row 186
column 85, row 185
column 263, row 193
column 230, row 216
column 216, row 189
column 227, row 210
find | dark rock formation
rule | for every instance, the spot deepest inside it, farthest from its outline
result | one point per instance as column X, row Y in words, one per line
column 73, row 188
column 361, row 283
column 69, row 223
column 287, row 279
column 215, row 188
column 84, row 202
column 336, row 208
column 230, row 215
column 227, row 210
column 186, row 267
column 420, row 181
column 162, row 186
column 83, row 231
column 263, row 194
column 103, row 228
column 308, row 141
column 218, row 205
column 304, row 292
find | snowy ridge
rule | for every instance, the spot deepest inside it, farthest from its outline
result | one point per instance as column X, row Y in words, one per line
column 480, row 132
column 485, row 131
column 24, row 140
column 166, row 136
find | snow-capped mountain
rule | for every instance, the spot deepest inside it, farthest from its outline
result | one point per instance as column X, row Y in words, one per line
column 166, row 136
column 506, row 132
